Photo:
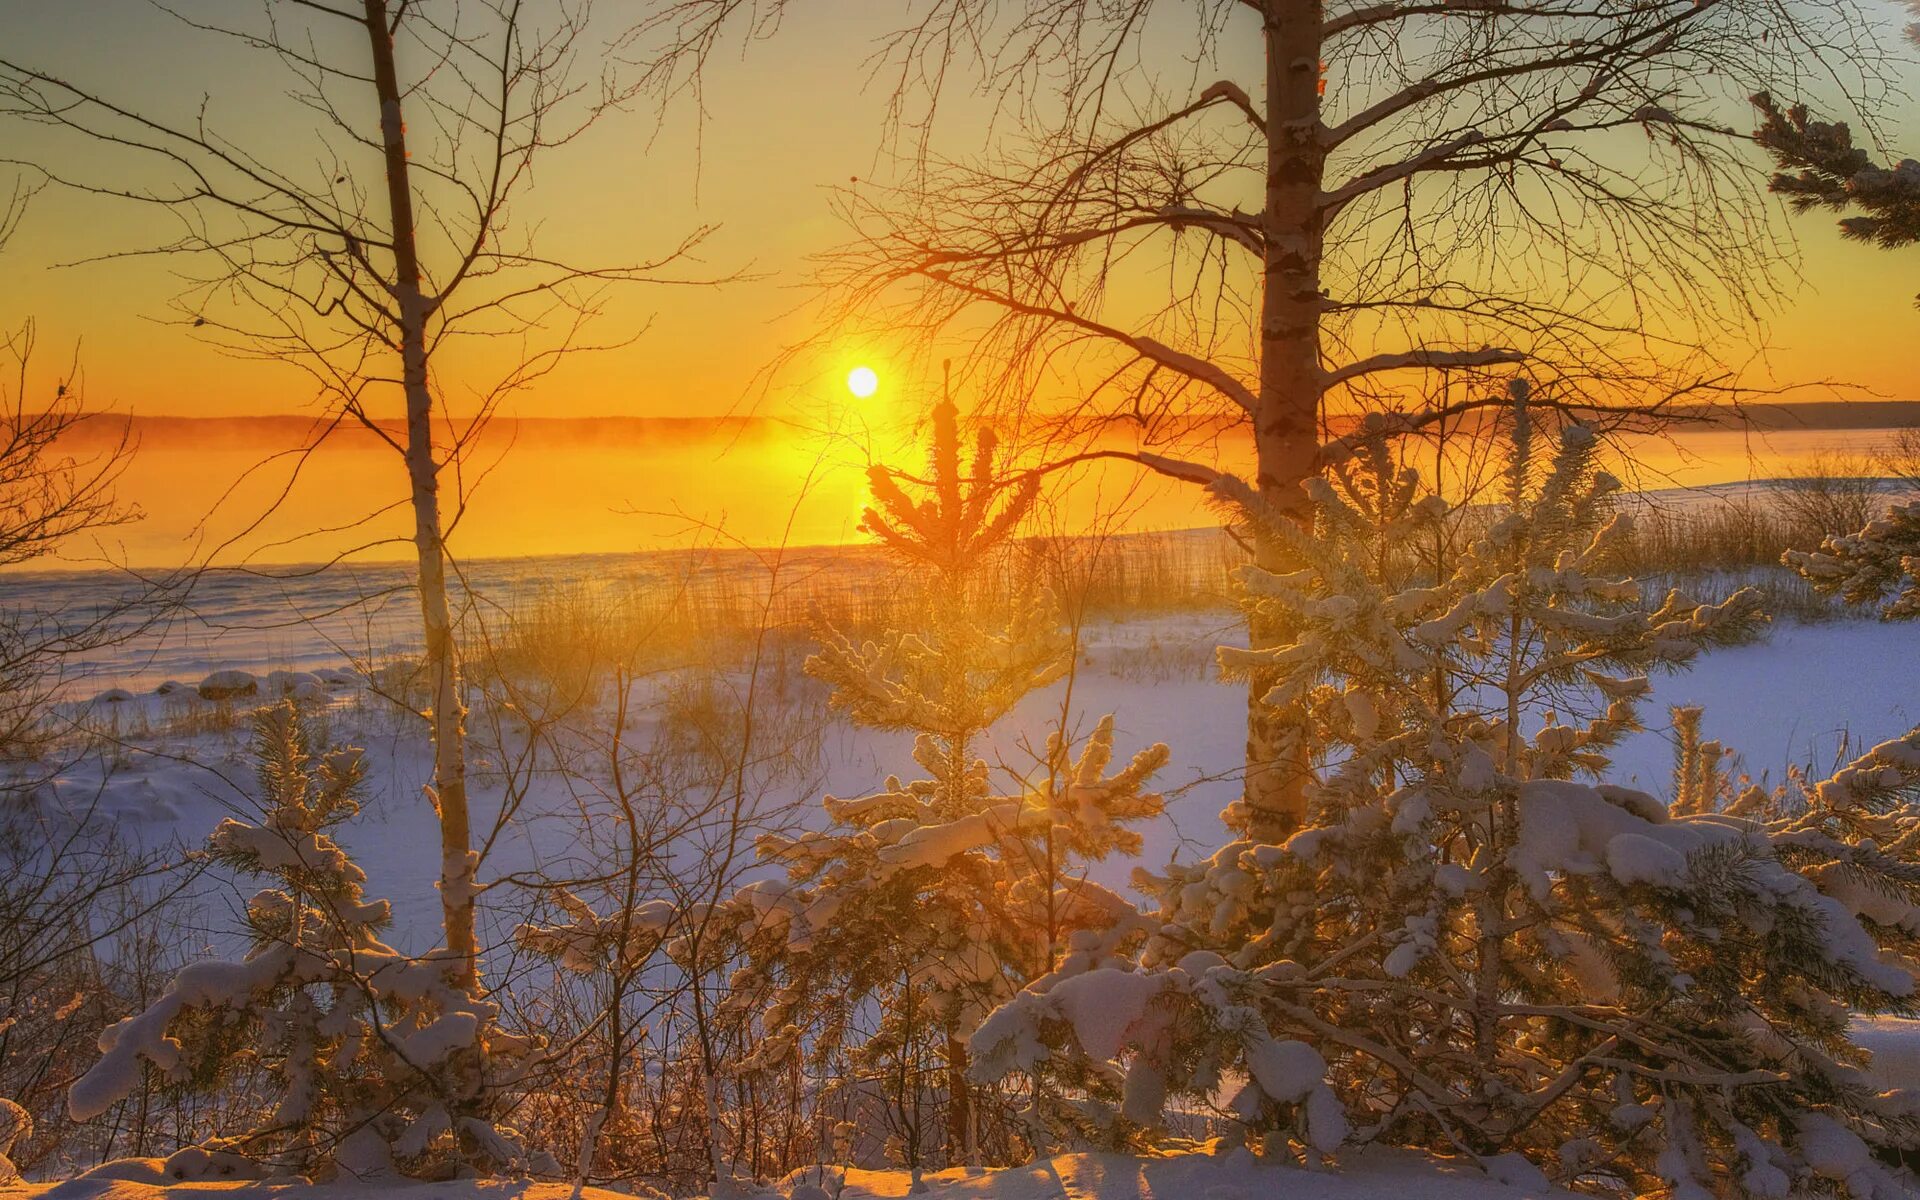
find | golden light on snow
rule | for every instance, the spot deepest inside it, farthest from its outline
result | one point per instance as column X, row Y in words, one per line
column 863, row 382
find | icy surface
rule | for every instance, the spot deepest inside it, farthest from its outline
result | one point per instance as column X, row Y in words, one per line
column 1792, row 699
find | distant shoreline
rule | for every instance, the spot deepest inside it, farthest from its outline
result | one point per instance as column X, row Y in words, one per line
column 294, row 429
column 1809, row 414
column 796, row 557
column 535, row 487
column 1772, row 416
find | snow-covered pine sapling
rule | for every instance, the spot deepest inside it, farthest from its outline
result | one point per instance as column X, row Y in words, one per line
column 362, row 1060
column 1876, row 566
column 1700, row 782
column 1878, row 563
column 1487, row 952
column 16, row 1126
column 930, row 901
column 1859, row 829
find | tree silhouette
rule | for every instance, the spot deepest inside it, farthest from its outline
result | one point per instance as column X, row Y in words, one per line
column 359, row 251
column 1383, row 211
column 1820, row 167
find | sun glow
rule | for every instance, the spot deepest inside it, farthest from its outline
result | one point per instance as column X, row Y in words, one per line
column 863, row 382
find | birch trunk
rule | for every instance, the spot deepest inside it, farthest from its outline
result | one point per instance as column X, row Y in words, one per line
column 442, row 655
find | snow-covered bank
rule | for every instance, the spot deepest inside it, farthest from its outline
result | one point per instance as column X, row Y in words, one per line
column 1787, row 700
column 145, row 1179
column 1381, row 1175
column 1375, row 1175
column 1793, row 699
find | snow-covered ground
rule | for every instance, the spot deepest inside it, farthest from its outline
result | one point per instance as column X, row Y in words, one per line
column 1374, row 1175
column 1795, row 699
column 1370, row 1176
column 177, row 765
column 1808, row 695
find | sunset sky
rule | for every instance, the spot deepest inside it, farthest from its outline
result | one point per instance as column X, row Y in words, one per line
column 783, row 121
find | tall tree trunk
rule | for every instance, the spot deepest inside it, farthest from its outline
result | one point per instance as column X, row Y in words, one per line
column 423, row 473
column 1286, row 425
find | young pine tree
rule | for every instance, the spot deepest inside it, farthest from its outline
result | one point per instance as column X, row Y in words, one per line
column 1478, row 943
column 1879, row 562
column 921, row 906
column 356, row 1058
column 1700, row 782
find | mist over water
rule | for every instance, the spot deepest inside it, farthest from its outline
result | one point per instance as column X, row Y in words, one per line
column 249, row 491
column 558, row 505
column 238, row 491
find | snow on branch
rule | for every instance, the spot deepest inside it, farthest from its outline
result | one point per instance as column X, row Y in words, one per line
column 1337, row 199
column 1881, row 559
column 1431, row 360
column 1234, row 94
column 1235, row 226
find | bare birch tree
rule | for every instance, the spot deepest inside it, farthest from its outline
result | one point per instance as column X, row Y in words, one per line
column 68, row 885
column 361, row 247
column 52, row 493
column 1268, row 214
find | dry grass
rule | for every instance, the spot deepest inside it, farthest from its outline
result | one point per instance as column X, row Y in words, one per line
column 1713, row 547
column 558, row 645
column 1132, row 575
column 1715, row 537
column 552, row 649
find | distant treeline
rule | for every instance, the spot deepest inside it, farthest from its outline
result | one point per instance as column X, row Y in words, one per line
column 293, row 429
column 288, row 430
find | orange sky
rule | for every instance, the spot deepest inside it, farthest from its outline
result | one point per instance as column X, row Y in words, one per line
column 783, row 122
column 781, row 126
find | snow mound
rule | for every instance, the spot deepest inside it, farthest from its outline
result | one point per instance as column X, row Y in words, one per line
column 1373, row 1175
column 1894, row 1043
column 228, row 685
column 148, row 1179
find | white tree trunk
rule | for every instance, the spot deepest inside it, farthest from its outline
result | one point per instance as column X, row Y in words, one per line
column 448, row 714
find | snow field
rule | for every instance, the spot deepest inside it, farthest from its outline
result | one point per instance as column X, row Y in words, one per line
column 1852, row 682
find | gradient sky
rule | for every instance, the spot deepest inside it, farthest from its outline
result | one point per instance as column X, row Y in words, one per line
column 784, row 120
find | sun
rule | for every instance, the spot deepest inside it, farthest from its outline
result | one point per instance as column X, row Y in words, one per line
column 863, row 382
